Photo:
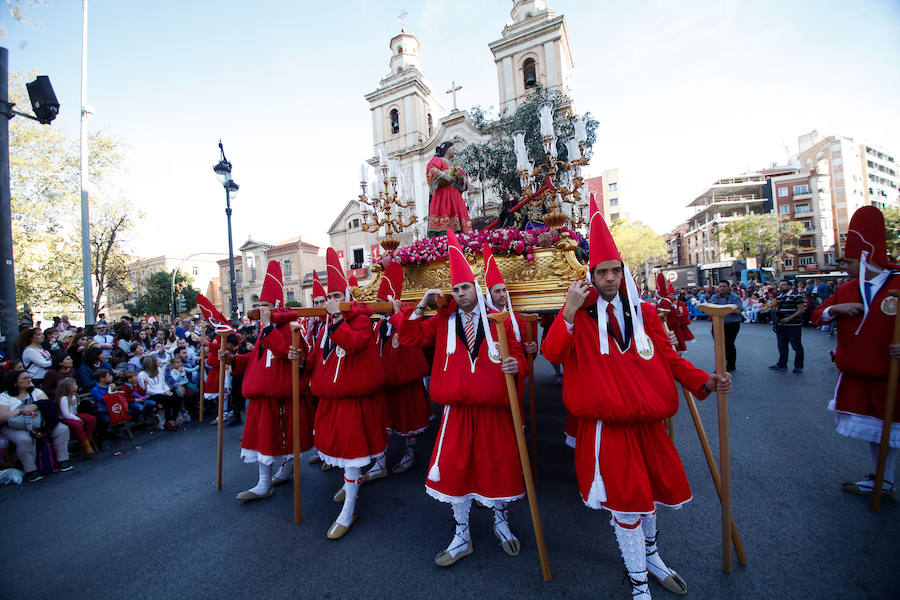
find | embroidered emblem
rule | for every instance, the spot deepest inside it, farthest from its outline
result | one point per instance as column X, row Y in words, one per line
column 648, row 353
column 395, row 340
column 889, row 306
column 341, row 353
column 494, row 354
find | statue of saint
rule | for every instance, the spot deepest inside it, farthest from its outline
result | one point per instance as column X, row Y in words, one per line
column 446, row 208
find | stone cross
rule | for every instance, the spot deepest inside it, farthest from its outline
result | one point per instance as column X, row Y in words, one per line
column 402, row 18
column 453, row 89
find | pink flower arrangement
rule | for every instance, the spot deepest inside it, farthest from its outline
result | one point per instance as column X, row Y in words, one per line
column 502, row 241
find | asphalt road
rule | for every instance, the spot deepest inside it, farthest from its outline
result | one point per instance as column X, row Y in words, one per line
column 144, row 520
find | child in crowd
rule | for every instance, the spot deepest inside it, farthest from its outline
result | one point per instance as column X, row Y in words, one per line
column 178, row 380
column 162, row 357
column 134, row 363
column 153, row 382
column 104, row 385
column 140, row 407
column 81, row 424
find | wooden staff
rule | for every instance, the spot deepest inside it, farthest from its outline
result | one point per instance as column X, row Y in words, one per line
column 711, row 463
column 530, row 336
column 668, row 421
column 379, row 307
column 717, row 312
column 888, row 419
column 295, row 406
column 222, row 337
column 500, row 318
column 202, row 368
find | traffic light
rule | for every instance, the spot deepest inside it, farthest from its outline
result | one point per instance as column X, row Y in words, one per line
column 182, row 306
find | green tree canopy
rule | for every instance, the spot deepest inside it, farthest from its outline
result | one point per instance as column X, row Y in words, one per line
column 493, row 161
column 767, row 237
column 156, row 296
column 892, row 224
column 637, row 243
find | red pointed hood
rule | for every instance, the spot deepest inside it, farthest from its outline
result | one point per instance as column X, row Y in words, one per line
column 492, row 275
column 337, row 282
column 670, row 289
column 273, row 288
column 460, row 270
column 866, row 233
column 603, row 247
column 660, row 284
column 317, row 290
column 391, row 282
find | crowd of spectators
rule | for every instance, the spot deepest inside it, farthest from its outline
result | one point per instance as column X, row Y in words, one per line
column 65, row 377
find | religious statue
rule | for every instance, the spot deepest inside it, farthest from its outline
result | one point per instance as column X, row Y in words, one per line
column 446, row 209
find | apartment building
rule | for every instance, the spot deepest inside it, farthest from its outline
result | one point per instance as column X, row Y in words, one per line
column 805, row 197
column 880, row 177
column 607, row 195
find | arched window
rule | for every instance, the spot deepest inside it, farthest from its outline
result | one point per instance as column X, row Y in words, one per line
column 430, row 124
column 529, row 73
column 395, row 121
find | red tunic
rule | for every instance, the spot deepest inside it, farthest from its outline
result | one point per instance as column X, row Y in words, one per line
column 447, row 209
column 346, row 377
column 863, row 361
column 268, row 429
column 675, row 321
column 404, row 367
column 211, row 387
column 475, row 455
column 621, row 398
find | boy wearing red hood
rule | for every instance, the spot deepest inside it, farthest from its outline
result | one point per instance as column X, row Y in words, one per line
column 865, row 312
column 619, row 383
column 268, row 431
column 678, row 317
column 475, row 456
column 346, row 377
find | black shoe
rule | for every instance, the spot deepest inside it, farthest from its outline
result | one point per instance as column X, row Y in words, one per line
column 234, row 423
column 33, row 476
column 798, row 370
column 64, row 466
column 777, row 368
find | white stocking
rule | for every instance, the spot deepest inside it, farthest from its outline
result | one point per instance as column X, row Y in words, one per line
column 352, row 480
column 655, row 562
column 379, row 466
column 461, row 535
column 501, row 522
column 631, row 544
column 286, row 470
column 265, row 480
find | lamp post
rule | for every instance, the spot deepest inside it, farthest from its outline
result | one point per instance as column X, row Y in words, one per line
column 223, row 173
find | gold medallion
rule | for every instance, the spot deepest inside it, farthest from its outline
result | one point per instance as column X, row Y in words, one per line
column 889, row 305
column 648, row 353
column 395, row 340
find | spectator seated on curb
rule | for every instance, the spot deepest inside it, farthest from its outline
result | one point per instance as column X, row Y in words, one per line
column 179, row 382
column 140, row 407
column 61, row 369
column 103, row 385
column 92, row 361
column 80, row 424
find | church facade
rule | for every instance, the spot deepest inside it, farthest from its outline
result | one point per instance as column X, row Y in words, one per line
column 409, row 121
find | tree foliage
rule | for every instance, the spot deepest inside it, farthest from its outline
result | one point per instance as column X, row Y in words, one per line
column 46, row 214
column 892, row 224
column 767, row 237
column 154, row 297
column 637, row 243
column 493, row 161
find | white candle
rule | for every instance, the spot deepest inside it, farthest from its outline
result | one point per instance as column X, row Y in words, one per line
column 382, row 157
column 364, row 173
column 580, row 129
column 546, row 116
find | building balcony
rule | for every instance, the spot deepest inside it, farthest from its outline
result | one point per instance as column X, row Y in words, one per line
column 806, row 196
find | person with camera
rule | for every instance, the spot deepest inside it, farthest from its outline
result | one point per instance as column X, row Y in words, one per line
column 21, row 423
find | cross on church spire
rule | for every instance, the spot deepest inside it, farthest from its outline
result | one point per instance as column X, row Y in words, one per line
column 453, row 89
column 402, row 18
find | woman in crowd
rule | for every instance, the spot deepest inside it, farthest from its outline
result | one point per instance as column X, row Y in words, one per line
column 81, row 424
column 143, row 339
column 152, row 380
column 61, row 369
column 18, row 415
column 77, row 345
column 36, row 359
column 123, row 340
column 93, row 360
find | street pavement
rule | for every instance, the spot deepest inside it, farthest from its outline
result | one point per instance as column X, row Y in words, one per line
column 144, row 520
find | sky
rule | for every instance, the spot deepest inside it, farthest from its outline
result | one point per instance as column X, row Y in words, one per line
column 685, row 93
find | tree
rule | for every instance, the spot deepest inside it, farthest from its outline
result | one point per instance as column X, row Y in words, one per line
column 493, row 162
column 155, row 298
column 44, row 185
column 637, row 243
column 892, row 224
column 767, row 237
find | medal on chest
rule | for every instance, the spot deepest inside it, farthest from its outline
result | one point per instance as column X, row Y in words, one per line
column 395, row 341
column 889, row 306
column 648, row 353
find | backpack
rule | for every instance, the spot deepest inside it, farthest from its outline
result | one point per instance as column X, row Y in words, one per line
column 46, row 458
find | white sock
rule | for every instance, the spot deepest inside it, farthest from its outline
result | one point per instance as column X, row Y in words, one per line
column 286, row 470
column 501, row 522
column 379, row 466
column 461, row 535
column 655, row 562
column 265, row 480
column 631, row 545
column 351, row 489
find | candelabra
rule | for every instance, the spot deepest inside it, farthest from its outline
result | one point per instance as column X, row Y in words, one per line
column 383, row 198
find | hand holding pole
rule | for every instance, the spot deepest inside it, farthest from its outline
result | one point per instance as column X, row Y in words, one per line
column 500, row 318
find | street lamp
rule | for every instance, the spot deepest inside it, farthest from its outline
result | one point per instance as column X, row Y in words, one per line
column 223, row 174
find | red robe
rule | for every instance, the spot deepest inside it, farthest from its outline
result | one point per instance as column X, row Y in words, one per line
column 212, row 361
column 863, row 361
column 346, row 377
column 268, row 429
column 677, row 320
column 475, row 455
column 404, row 367
column 621, row 399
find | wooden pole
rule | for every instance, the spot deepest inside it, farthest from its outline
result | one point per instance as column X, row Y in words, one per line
column 515, row 409
column 888, row 417
column 202, row 378
column 531, row 336
column 219, row 425
column 295, row 420
column 711, row 463
column 717, row 312
column 295, row 313
column 668, row 421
